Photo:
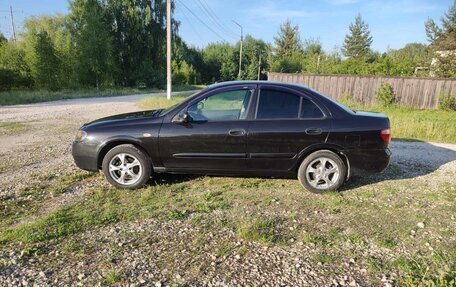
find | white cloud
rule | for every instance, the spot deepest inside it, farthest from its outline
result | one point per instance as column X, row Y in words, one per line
column 343, row 2
column 271, row 10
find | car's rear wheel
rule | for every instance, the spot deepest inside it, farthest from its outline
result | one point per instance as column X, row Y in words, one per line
column 126, row 166
column 322, row 171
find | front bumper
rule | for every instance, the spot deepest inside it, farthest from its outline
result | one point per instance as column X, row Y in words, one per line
column 368, row 161
column 85, row 155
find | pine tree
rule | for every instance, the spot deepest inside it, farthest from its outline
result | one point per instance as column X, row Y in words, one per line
column 288, row 40
column 357, row 43
column 443, row 43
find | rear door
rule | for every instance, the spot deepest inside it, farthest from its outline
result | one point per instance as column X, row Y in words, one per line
column 285, row 123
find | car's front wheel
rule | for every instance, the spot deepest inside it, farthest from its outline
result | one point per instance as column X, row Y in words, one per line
column 126, row 166
column 322, row 171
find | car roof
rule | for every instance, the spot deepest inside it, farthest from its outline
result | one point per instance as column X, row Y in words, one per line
column 252, row 82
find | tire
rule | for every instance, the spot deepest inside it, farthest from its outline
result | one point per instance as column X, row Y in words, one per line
column 317, row 179
column 126, row 166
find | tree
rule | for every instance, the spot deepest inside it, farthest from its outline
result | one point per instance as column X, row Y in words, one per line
column 357, row 43
column 219, row 63
column 312, row 47
column 254, row 49
column 92, row 42
column 288, row 50
column 3, row 39
column 57, row 33
column 139, row 41
column 443, row 43
column 44, row 62
column 288, row 40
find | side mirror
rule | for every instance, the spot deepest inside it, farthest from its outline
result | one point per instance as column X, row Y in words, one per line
column 181, row 118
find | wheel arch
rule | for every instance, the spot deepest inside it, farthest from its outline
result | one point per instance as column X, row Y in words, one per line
column 108, row 144
column 338, row 150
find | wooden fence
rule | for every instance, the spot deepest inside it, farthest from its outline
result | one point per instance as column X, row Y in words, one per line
column 420, row 93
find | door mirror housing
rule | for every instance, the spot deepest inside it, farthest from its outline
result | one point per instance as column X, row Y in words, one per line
column 181, row 118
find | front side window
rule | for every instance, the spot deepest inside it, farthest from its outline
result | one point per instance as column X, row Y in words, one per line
column 224, row 106
column 274, row 104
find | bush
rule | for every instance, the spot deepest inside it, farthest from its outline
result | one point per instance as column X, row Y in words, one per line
column 447, row 102
column 10, row 79
column 385, row 95
column 290, row 64
column 184, row 74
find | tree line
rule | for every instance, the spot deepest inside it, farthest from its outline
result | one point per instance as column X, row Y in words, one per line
column 120, row 43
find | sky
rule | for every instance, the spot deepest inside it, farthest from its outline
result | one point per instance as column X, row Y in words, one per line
column 393, row 23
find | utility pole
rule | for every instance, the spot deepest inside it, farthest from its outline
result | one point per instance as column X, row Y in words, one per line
column 168, row 50
column 259, row 66
column 13, row 28
column 240, row 51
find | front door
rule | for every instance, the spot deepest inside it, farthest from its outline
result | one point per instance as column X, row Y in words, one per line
column 214, row 138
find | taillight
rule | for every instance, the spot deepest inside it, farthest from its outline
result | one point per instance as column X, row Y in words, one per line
column 385, row 134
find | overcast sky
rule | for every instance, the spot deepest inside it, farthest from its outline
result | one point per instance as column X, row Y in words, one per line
column 393, row 23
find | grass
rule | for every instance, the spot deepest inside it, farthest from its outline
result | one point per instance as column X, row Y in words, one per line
column 161, row 102
column 264, row 230
column 16, row 97
column 12, row 128
column 415, row 124
column 113, row 277
column 424, row 125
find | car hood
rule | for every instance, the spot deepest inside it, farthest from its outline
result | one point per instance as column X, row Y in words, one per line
column 127, row 116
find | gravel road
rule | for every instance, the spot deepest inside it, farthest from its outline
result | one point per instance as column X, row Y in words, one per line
column 39, row 140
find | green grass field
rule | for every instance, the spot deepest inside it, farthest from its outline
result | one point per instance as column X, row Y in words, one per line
column 406, row 123
column 424, row 125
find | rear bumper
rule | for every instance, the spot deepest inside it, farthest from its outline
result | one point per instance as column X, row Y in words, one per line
column 85, row 155
column 368, row 161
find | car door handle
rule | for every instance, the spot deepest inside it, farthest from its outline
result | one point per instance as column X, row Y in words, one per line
column 313, row 131
column 237, row 132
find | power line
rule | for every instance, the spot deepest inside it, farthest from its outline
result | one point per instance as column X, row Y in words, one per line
column 214, row 19
column 202, row 22
column 191, row 26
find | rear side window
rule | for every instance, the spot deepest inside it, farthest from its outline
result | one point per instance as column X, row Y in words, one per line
column 309, row 110
column 274, row 104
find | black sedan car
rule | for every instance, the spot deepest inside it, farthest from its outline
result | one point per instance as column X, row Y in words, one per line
column 247, row 128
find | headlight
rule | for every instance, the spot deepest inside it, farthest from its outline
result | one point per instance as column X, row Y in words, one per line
column 81, row 135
